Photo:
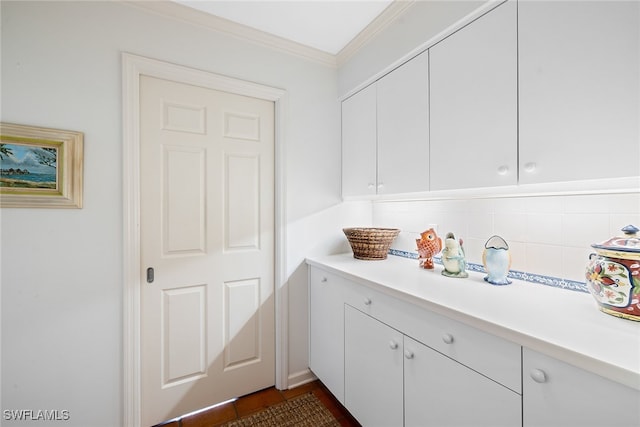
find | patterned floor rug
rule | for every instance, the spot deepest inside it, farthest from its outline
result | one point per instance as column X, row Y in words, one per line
column 303, row 411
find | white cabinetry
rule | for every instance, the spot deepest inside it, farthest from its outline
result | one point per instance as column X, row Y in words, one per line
column 373, row 370
column 558, row 394
column 465, row 351
column 382, row 366
column 528, row 92
column 403, row 128
column 437, row 388
column 359, row 143
column 474, row 105
column 385, row 134
column 392, row 363
column 579, row 75
column 326, row 330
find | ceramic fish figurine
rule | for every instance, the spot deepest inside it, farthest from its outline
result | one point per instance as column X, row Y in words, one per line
column 453, row 258
column 429, row 245
column 497, row 261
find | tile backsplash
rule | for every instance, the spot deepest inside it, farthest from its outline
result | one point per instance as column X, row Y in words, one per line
column 548, row 235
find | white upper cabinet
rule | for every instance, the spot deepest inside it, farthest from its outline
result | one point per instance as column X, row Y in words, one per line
column 359, row 143
column 579, row 91
column 474, row 105
column 385, row 134
column 403, row 128
column 529, row 92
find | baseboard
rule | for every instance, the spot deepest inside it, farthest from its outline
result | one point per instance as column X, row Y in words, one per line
column 300, row 378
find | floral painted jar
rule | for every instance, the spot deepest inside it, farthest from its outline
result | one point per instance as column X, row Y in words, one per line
column 613, row 275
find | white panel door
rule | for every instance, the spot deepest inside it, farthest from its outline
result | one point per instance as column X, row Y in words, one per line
column 207, row 231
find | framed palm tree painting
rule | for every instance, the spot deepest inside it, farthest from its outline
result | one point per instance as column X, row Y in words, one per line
column 40, row 167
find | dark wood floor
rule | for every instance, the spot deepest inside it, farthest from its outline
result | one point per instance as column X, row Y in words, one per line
column 257, row 401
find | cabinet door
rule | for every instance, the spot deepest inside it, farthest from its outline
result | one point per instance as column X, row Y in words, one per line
column 441, row 392
column 557, row 394
column 403, row 128
column 579, row 89
column 373, row 370
column 359, row 143
column 326, row 330
column 473, row 88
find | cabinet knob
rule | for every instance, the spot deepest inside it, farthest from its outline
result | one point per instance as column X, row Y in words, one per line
column 367, row 301
column 371, row 185
column 323, row 280
column 503, row 170
column 408, row 354
column 538, row 376
column 447, row 338
column 393, row 345
column 530, row 167
column 381, row 185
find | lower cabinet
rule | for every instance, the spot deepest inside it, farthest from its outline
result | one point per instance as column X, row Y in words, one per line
column 438, row 391
column 394, row 380
column 558, row 394
column 393, row 364
column 326, row 330
column 373, row 380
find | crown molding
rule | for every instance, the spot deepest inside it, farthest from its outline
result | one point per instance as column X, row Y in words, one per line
column 196, row 17
column 382, row 21
column 244, row 32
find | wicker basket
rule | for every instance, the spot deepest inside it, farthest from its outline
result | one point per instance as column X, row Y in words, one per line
column 370, row 243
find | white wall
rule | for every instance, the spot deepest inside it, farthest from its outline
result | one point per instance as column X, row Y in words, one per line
column 62, row 269
column 549, row 235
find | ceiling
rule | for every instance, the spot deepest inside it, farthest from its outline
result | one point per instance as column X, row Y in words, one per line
column 326, row 25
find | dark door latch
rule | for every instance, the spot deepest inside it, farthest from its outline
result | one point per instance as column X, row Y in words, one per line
column 150, row 275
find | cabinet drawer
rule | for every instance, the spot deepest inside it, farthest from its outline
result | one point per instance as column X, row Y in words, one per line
column 494, row 357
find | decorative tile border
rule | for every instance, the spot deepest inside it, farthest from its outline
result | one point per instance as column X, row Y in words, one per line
column 555, row 282
column 403, row 254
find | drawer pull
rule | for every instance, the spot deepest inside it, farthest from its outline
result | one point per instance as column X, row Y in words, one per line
column 539, row 376
column 530, row 167
column 393, row 345
column 447, row 338
column 408, row 354
column 367, row 301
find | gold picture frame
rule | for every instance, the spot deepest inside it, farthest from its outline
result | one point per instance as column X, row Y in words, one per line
column 40, row 167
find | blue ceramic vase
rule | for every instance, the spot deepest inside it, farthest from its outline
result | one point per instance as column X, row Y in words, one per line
column 497, row 261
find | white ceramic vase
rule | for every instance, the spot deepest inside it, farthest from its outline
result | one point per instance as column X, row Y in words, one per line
column 497, row 261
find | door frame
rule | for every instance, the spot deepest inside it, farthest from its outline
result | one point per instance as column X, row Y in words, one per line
column 134, row 66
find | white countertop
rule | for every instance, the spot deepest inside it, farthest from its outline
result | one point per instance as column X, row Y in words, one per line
column 561, row 323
